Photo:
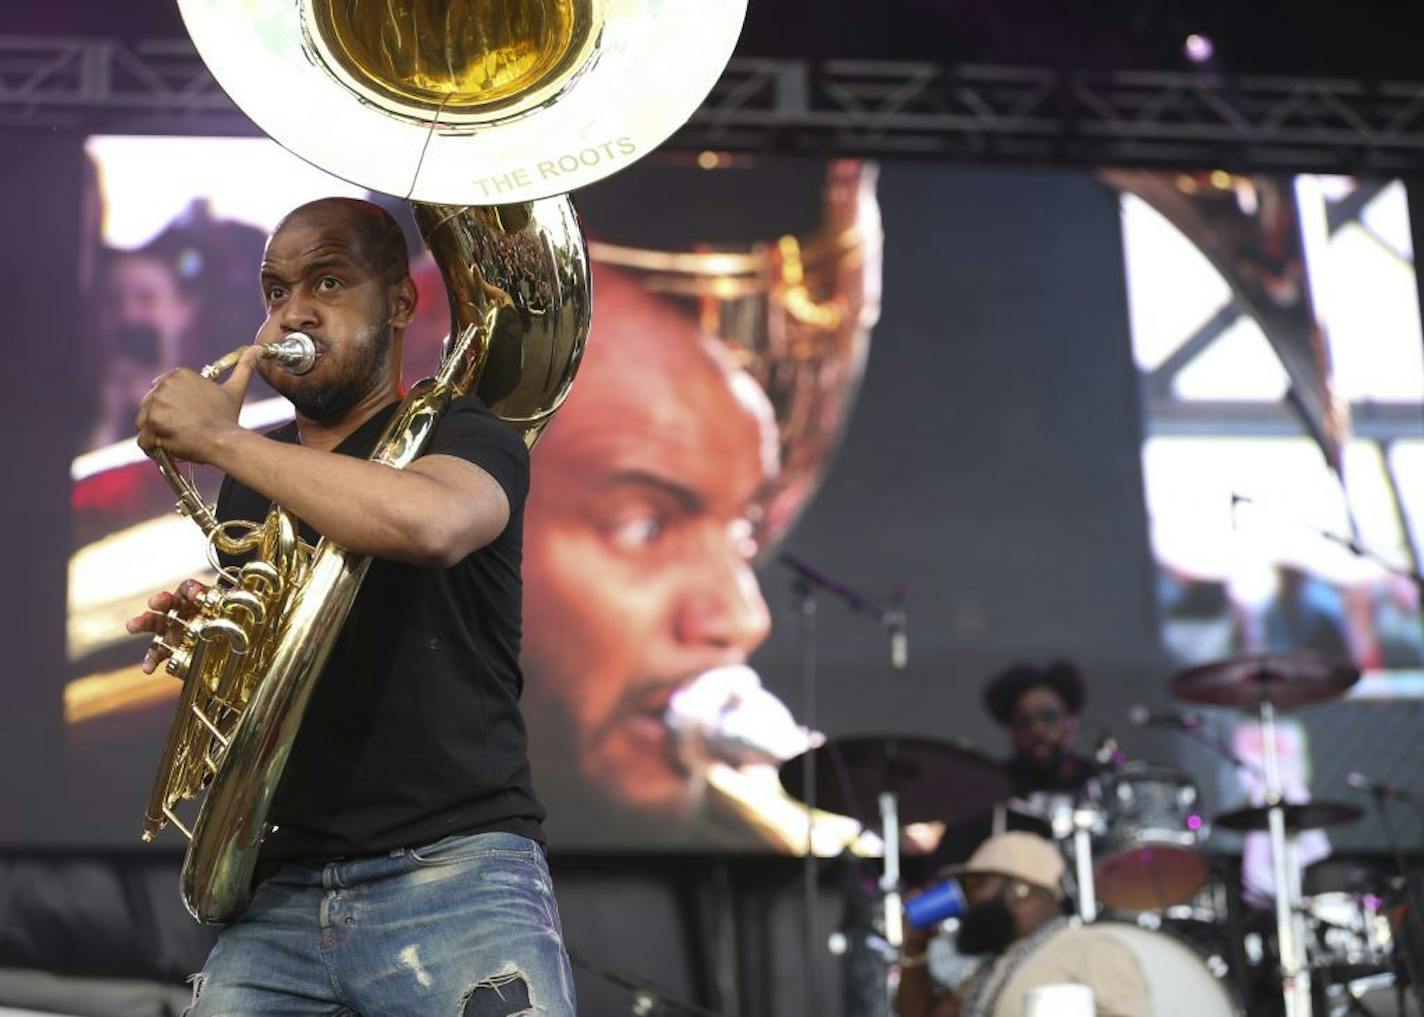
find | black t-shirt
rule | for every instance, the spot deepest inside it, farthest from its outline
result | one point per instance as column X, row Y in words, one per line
column 1067, row 775
column 413, row 731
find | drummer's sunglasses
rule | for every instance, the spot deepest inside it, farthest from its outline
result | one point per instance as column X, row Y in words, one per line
column 1023, row 721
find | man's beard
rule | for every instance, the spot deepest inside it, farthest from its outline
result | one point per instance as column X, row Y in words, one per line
column 986, row 929
column 333, row 399
column 1043, row 768
column 581, row 805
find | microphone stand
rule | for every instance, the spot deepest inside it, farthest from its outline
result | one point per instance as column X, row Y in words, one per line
column 891, row 618
column 807, row 581
column 805, row 594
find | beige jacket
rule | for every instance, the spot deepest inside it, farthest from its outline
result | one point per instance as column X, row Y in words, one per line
column 1088, row 957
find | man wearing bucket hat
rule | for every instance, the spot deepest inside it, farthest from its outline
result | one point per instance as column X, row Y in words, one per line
column 1014, row 920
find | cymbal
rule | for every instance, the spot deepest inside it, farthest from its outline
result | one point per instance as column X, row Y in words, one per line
column 1300, row 816
column 934, row 779
column 1284, row 680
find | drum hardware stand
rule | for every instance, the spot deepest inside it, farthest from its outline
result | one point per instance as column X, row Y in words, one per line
column 864, row 952
column 1355, row 1005
column 1414, row 917
column 890, row 830
column 890, row 879
column 1079, row 823
column 1290, row 922
column 1083, row 862
column 1264, row 683
column 1227, row 872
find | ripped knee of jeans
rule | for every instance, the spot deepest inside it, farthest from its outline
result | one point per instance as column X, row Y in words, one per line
column 503, row 995
column 198, row 982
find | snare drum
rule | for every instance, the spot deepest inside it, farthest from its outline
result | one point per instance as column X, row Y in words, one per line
column 1150, row 857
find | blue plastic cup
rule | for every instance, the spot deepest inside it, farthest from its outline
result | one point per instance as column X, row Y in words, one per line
column 935, row 904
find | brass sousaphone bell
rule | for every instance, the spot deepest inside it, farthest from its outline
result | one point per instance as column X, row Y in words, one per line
column 479, row 112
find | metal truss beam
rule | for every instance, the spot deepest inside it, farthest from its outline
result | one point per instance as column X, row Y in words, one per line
column 1381, row 422
column 926, row 110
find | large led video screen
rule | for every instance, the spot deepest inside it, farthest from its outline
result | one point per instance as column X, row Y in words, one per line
column 1043, row 413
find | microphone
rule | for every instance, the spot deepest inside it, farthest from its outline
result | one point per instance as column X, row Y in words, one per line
column 725, row 715
column 895, row 622
column 1109, row 752
column 1378, row 788
column 899, row 646
column 295, row 351
column 892, row 619
column 1142, row 716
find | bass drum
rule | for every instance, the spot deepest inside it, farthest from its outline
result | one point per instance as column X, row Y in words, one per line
column 1180, row 983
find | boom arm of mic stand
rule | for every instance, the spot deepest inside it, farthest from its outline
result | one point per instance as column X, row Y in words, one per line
column 1218, row 746
column 855, row 600
column 892, row 619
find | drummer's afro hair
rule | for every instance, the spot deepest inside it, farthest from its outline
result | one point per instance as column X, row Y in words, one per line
column 1004, row 689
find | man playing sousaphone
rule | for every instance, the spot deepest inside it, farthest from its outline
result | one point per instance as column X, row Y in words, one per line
column 404, row 871
column 385, row 813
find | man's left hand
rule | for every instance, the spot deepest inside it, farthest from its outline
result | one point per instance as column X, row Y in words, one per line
column 188, row 415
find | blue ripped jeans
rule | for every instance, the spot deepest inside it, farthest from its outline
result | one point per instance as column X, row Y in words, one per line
column 466, row 927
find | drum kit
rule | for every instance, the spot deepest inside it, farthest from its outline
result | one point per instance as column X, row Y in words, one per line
column 1135, row 844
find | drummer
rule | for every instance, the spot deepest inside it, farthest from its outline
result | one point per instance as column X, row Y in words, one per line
column 1038, row 705
column 1013, row 886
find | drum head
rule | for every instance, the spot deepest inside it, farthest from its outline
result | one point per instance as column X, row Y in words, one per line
column 1180, row 983
column 1147, row 876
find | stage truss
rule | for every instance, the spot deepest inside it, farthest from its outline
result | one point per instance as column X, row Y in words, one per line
column 924, row 110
